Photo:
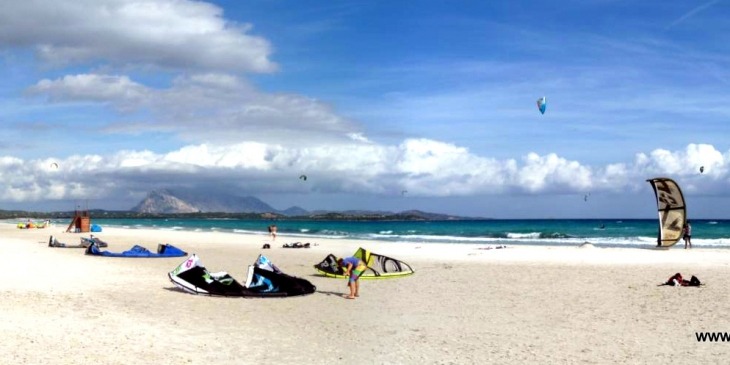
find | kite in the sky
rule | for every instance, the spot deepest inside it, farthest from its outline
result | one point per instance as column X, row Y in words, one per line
column 702, row 169
column 403, row 192
column 303, row 177
column 542, row 104
column 54, row 165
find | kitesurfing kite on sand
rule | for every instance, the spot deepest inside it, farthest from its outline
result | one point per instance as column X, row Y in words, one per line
column 264, row 280
column 378, row 266
column 671, row 208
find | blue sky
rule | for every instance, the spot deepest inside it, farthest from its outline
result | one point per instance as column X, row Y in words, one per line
column 368, row 99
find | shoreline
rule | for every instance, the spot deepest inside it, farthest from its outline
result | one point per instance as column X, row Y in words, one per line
column 526, row 250
column 533, row 238
column 521, row 304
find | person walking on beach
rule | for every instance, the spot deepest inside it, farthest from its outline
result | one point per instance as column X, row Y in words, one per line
column 687, row 230
column 272, row 232
column 353, row 268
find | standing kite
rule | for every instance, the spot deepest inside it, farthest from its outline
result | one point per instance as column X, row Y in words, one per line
column 542, row 104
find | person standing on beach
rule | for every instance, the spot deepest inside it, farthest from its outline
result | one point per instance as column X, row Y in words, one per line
column 353, row 268
column 272, row 232
column 687, row 230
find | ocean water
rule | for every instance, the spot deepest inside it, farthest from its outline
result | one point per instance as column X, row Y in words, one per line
column 548, row 232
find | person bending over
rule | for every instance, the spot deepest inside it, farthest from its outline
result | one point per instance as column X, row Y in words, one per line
column 353, row 268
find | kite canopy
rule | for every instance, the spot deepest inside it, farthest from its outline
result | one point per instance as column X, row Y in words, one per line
column 542, row 104
column 85, row 242
column 379, row 266
column 671, row 208
column 163, row 250
column 702, row 169
column 303, row 177
column 264, row 280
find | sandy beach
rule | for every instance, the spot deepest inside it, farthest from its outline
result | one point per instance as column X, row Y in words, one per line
column 536, row 305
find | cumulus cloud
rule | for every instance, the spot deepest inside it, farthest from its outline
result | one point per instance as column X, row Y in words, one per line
column 172, row 34
column 424, row 168
column 686, row 161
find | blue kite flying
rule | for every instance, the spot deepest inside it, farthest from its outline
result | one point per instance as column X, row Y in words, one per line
column 542, row 104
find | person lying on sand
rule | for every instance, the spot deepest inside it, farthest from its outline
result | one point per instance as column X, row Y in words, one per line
column 296, row 245
column 677, row 280
column 491, row 247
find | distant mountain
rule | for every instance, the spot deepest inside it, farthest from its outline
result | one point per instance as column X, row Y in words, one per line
column 188, row 201
column 432, row 216
column 181, row 201
column 164, row 202
column 294, row 211
column 352, row 212
column 384, row 215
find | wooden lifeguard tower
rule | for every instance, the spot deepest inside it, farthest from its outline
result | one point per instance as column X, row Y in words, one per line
column 81, row 222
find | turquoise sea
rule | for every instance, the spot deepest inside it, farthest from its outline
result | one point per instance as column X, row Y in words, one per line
column 548, row 232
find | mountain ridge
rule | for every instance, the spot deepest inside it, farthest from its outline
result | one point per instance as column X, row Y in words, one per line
column 181, row 201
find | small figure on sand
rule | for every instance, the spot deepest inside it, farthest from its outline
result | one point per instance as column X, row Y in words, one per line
column 353, row 268
column 687, row 235
column 676, row 280
column 296, row 245
column 272, row 232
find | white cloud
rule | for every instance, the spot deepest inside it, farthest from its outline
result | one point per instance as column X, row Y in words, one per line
column 248, row 155
column 551, row 172
column 208, row 100
column 613, row 177
column 174, row 34
column 684, row 162
column 91, row 87
column 425, row 168
column 207, row 107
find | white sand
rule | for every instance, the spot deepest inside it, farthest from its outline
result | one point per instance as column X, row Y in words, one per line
column 517, row 305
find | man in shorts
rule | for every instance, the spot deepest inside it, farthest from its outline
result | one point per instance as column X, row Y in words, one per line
column 687, row 230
